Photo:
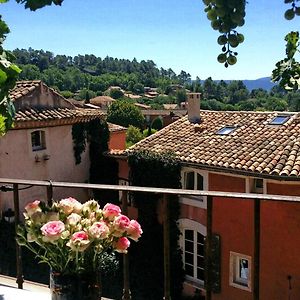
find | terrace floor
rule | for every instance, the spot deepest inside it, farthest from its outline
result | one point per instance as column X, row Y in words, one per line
column 30, row 291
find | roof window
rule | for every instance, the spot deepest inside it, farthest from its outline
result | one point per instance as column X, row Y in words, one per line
column 226, row 130
column 279, row 120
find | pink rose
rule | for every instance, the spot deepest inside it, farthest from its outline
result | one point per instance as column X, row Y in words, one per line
column 52, row 230
column 121, row 245
column 110, row 211
column 33, row 207
column 79, row 241
column 70, row 205
column 134, row 230
column 121, row 223
column 99, row 230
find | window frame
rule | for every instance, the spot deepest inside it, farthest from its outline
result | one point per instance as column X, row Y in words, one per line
column 284, row 118
column 187, row 224
column 226, row 130
column 252, row 186
column 42, row 140
column 124, row 182
column 202, row 202
column 235, row 279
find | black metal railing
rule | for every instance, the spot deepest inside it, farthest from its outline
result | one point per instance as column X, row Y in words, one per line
column 165, row 192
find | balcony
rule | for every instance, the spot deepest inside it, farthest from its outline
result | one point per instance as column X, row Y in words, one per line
column 8, row 289
column 30, row 290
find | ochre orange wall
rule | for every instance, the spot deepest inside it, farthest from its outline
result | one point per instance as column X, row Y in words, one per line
column 117, row 140
column 280, row 245
column 123, row 168
column 232, row 220
column 280, row 238
column 193, row 213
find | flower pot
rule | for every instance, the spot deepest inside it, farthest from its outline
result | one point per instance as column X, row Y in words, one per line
column 84, row 286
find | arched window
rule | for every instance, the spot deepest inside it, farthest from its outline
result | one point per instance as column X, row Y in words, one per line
column 193, row 249
column 38, row 141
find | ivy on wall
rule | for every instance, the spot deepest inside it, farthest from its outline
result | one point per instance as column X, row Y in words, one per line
column 147, row 273
column 79, row 140
column 103, row 169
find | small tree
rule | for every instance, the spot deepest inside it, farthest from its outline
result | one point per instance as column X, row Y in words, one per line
column 147, row 132
column 181, row 96
column 157, row 123
column 125, row 114
column 138, row 88
column 133, row 135
column 116, row 93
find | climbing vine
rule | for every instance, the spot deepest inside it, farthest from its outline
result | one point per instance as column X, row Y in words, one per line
column 79, row 141
column 155, row 170
column 102, row 169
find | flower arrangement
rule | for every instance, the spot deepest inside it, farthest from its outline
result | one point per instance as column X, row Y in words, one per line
column 72, row 237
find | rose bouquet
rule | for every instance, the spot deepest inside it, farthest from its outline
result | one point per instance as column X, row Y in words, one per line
column 72, row 237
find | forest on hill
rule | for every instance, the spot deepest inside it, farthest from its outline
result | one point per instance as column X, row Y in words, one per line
column 85, row 76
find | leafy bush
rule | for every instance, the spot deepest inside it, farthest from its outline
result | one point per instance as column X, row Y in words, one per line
column 157, row 123
column 125, row 114
column 133, row 135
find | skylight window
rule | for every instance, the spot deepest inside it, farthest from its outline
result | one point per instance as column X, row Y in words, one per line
column 226, row 130
column 279, row 120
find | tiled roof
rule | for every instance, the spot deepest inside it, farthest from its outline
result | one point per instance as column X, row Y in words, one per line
column 254, row 146
column 38, row 115
column 35, row 117
column 170, row 106
column 101, row 100
column 132, row 96
column 115, row 127
column 163, row 112
column 77, row 103
column 142, row 106
column 22, row 88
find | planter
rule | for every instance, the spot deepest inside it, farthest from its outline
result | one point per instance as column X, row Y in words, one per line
column 84, row 286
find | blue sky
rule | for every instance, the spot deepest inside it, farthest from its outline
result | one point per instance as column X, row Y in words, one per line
column 172, row 33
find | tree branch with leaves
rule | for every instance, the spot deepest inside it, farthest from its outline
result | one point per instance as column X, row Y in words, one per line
column 9, row 71
column 227, row 15
column 8, row 75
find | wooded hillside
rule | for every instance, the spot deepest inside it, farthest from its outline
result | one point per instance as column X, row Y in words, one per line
column 85, row 76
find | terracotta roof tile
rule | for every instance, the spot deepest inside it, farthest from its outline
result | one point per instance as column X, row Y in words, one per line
column 115, row 127
column 101, row 100
column 54, row 116
column 22, row 88
column 254, row 146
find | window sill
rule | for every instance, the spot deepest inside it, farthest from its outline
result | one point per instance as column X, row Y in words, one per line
column 240, row 286
column 201, row 203
column 195, row 284
column 35, row 149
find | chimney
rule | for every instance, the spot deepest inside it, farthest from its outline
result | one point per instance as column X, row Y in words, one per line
column 194, row 107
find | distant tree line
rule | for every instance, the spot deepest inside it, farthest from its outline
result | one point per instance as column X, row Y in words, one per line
column 235, row 96
column 86, row 76
column 68, row 73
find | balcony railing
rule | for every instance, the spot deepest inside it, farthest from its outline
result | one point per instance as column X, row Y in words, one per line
column 14, row 185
